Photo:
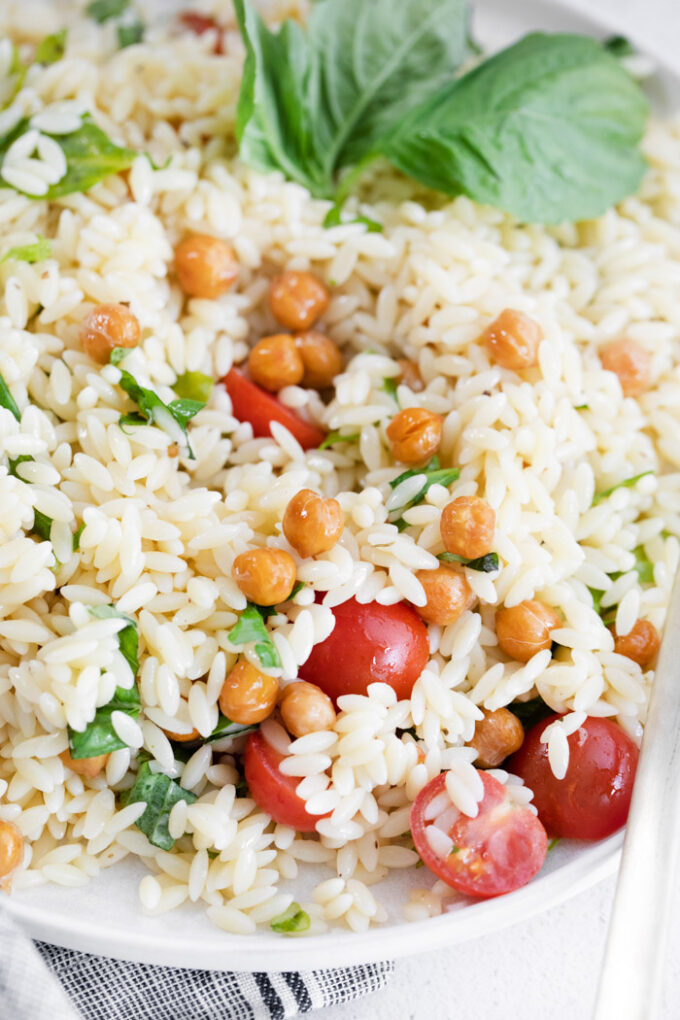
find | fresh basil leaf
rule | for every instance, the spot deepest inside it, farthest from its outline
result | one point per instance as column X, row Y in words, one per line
column 117, row 355
column 104, row 10
column 333, row 218
column 548, row 130
column 14, row 79
column 333, row 438
column 434, row 475
column 619, row 46
column 596, row 595
column 194, row 386
column 130, row 34
column 36, row 252
column 76, row 537
column 42, row 525
column 291, row 921
column 486, row 564
column 7, row 400
column 127, row 637
column 152, row 410
column 160, row 793
column 531, row 712
column 627, row 483
column 251, row 628
column 390, row 387
column 226, row 728
column 14, row 463
column 297, row 588
column 313, row 103
column 184, row 410
column 51, row 48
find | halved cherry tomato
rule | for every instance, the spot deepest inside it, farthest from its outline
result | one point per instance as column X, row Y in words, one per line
column 369, row 644
column 592, row 800
column 273, row 791
column 200, row 23
column 494, row 853
column 252, row 403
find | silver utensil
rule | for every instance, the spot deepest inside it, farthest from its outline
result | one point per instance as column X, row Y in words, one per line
column 630, row 981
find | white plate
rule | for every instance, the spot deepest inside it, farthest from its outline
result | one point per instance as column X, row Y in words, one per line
column 103, row 917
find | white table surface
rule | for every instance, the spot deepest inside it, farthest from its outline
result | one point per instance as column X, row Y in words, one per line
column 547, row 967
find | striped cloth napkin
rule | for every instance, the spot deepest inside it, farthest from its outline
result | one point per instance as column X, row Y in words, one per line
column 42, row 982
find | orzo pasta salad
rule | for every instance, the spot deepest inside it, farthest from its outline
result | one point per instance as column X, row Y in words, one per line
column 339, row 450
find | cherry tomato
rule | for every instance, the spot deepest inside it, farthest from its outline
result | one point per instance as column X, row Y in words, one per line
column 592, row 800
column 200, row 23
column 252, row 403
column 494, row 853
column 272, row 790
column 369, row 644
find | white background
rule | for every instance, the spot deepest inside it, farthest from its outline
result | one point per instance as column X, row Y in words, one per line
column 547, row 967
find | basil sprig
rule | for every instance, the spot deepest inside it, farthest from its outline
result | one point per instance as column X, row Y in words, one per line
column 160, row 793
column 486, row 564
column 434, row 474
column 252, row 628
column 154, row 411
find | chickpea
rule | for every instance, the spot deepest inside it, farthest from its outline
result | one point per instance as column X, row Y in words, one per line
column 512, row 340
column 311, row 523
column 524, row 629
column 275, row 362
column 248, row 696
column 265, row 576
column 630, row 362
column 106, row 327
column 11, row 848
column 467, row 527
column 410, row 375
column 498, row 735
column 88, row 767
column 448, row 595
column 641, row 643
column 305, row 708
column 415, row 435
column 297, row 299
column 206, row 267
column 321, row 358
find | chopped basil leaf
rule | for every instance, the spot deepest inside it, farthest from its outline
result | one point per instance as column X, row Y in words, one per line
column 619, row 46
column 337, row 437
column 76, row 537
column 226, row 728
column 153, row 411
column 298, row 588
column 160, row 793
column 627, row 483
column 212, row 854
column 127, row 637
column 553, row 842
column 42, row 525
column 434, row 475
column 36, row 252
column 7, row 400
column 242, row 788
column 487, row 564
column 130, row 34
column 530, row 712
column 596, row 595
column 117, row 354
column 251, row 628
column 14, row 463
column 292, row 920
column 390, row 387
column 194, row 386
column 104, row 10
column 643, row 565
column 333, row 218
column 51, row 48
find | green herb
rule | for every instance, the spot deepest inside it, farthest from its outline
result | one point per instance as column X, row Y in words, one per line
column 42, row 525
column 226, row 728
column 596, row 595
column 212, row 854
column 16, row 76
column 127, row 637
column 90, row 157
column 553, row 843
column 643, row 565
column 104, row 10
column 251, row 627
column 627, row 483
column 36, row 252
column 160, row 793
column 619, row 46
column 117, row 355
column 581, row 407
column 434, row 475
column 487, row 564
column 297, row 588
column 194, row 386
column 333, row 218
column 14, row 463
column 7, row 400
column 390, row 387
column 153, row 411
column 129, row 35
column 242, row 788
column 52, row 48
column 454, row 849
column 291, row 921
column 530, row 712
column 314, row 103
column 337, row 437
column 76, row 537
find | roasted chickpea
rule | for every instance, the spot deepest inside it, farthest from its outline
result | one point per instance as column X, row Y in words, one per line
column 297, row 299
column 415, row 435
column 305, row 708
column 630, row 362
column 497, row 735
column 248, row 696
column 467, row 527
column 512, row 340
column 524, row 629
column 206, row 267
column 106, row 327
column 448, row 595
column 321, row 358
column 311, row 523
column 410, row 375
column 88, row 767
column 265, row 576
column 641, row 643
column 275, row 362
column 11, row 848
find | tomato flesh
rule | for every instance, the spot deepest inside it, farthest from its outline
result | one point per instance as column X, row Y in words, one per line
column 593, row 799
column 369, row 644
column 494, row 853
column 200, row 23
column 273, row 791
column 253, row 404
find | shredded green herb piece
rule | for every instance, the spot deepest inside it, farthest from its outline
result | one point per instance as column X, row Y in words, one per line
column 530, row 712
column 390, row 387
column 627, row 483
column 251, row 628
column 130, row 34
column 104, row 10
column 31, row 253
column 643, row 565
column 160, row 793
column 619, row 46
column 333, row 438
column 194, row 386
column 7, row 400
column 291, row 921
column 76, row 537
column 172, row 418
column 434, row 475
column 553, row 843
column 333, row 218
column 42, row 525
column 486, row 564
column 297, row 588
column 51, row 48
